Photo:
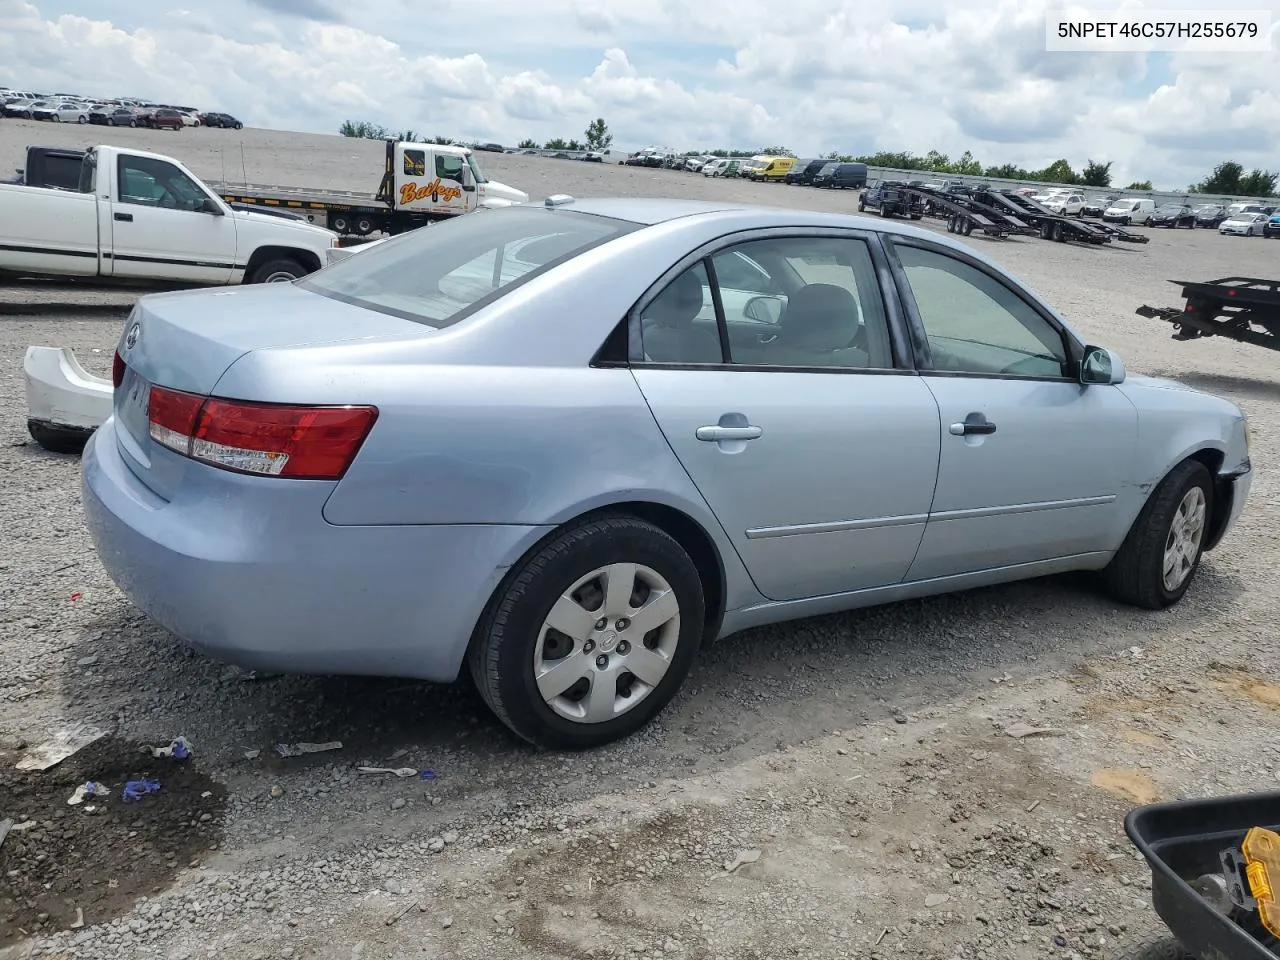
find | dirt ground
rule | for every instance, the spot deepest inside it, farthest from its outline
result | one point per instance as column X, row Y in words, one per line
column 937, row 779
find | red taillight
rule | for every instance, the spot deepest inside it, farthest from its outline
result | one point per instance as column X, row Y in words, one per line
column 117, row 370
column 274, row 439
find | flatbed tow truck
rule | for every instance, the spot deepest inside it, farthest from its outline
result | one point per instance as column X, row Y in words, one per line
column 1055, row 226
column 421, row 183
column 1238, row 308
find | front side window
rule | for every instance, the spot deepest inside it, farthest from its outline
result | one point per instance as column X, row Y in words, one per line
column 449, row 167
column 440, row 276
column 821, row 307
column 157, row 183
column 975, row 324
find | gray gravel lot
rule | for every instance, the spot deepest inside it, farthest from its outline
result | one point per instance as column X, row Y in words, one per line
column 862, row 773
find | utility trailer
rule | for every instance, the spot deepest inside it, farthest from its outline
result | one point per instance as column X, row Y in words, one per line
column 964, row 213
column 1238, row 308
column 421, row 183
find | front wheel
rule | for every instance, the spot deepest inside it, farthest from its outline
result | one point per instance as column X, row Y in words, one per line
column 592, row 635
column 283, row 270
column 1155, row 565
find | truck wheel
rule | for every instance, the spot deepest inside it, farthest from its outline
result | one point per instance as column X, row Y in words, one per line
column 364, row 226
column 283, row 270
column 339, row 223
column 58, row 439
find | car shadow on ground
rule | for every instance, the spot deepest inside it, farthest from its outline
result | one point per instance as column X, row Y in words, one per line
column 749, row 694
column 1225, row 383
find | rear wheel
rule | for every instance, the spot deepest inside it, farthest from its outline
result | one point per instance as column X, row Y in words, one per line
column 1155, row 565
column 282, row 270
column 591, row 636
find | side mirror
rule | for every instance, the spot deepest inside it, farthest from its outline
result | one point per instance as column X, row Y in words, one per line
column 1101, row 365
column 467, row 180
column 763, row 309
column 209, row 206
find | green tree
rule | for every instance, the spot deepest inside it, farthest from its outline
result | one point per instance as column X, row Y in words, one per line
column 574, row 145
column 528, row 144
column 1224, row 179
column 1058, row 172
column 408, row 136
column 559, row 143
column 1259, row 183
column 1096, row 174
column 598, row 135
column 1140, row 185
column 776, row 151
column 967, row 165
column 443, row 141
column 364, row 130
column 939, row 162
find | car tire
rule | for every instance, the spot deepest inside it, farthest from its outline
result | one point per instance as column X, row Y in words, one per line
column 1136, row 574
column 82, row 119
column 58, row 439
column 513, row 633
column 280, row 270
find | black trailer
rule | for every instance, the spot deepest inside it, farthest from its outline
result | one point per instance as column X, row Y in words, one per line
column 1238, row 308
column 1055, row 226
column 964, row 213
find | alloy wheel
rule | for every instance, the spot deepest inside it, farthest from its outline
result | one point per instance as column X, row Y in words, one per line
column 1182, row 545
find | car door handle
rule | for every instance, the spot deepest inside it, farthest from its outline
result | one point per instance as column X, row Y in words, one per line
column 974, row 424
column 718, row 433
column 124, row 217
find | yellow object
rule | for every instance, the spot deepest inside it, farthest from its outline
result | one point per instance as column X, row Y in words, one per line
column 1261, row 850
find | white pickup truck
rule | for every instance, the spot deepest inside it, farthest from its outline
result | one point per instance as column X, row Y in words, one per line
column 145, row 217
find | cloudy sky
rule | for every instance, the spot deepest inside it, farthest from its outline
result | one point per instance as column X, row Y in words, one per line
column 815, row 75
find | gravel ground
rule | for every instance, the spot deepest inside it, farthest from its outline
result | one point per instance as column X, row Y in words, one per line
column 861, row 785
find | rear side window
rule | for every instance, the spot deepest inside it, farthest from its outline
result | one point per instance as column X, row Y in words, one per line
column 441, row 274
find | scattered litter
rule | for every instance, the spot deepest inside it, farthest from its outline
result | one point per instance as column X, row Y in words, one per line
column 741, row 860
column 883, row 933
column 79, row 919
column 1033, row 805
column 1060, row 940
column 137, row 789
column 936, row 899
column 427, row 775
column 400, row 913
column 1020, row 731
column 251, row 754
column 398, row 771
column 179, row 749
column 61, row 745
column 5, row 827
column 277, row 791
column 206, row 795
column 90, row 789
column 76, row 596
column 299, row 749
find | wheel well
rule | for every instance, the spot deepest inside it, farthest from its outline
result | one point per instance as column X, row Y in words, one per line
column 1223, row 490
column 308, row 260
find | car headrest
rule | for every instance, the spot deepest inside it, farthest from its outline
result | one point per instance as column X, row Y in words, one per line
column 679, row 304
column 820, row 315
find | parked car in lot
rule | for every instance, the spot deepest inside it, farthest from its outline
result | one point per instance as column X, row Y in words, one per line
column 1173, row 215
column 1064, row 204
column 1272, row 227
column 843, row 176
column 804, row 171
column 1244, row 224
column 1210, row 214
column 375, row 469
column 123, row 117
column 1095, row 206
column 59, row 111
column 224, row 120
column 165, row 119
column 1129, row 210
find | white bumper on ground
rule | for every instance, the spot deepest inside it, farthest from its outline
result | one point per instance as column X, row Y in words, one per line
column 64, row 402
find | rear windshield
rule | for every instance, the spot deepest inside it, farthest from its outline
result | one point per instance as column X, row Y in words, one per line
column 438, row 275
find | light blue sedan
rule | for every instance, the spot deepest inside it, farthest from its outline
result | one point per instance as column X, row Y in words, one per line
column 564, row 445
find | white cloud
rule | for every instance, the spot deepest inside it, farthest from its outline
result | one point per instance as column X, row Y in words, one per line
column 817, row 75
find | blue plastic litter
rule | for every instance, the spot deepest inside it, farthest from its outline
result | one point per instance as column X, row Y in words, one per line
column 137, row 789
column 180, row 749
column 427, row 774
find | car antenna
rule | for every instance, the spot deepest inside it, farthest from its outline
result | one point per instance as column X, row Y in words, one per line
column 244, row 174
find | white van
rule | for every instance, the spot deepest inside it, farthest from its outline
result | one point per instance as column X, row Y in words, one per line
column 1129, row 210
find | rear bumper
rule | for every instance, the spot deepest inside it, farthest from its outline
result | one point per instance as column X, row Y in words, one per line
column 246, row 570
column 61, row 393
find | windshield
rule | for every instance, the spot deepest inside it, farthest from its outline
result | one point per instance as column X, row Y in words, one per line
column 828, row 169
column 475, row 168
column 442, row 275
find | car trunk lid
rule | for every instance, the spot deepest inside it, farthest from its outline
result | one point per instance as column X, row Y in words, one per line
column 187, row 341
